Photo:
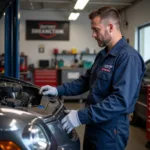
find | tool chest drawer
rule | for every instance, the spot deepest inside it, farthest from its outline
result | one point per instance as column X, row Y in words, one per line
column 45, row 77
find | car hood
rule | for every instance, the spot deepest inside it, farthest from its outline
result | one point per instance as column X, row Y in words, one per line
column 13, row 119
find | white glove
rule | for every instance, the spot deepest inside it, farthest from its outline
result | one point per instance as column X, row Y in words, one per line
column 71, row 120
column 48, row 90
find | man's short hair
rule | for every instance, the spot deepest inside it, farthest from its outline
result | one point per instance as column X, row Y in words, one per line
column 107, row 13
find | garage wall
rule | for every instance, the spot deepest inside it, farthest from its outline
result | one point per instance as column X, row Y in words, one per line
column 136, row 16
column 80, row 32
column 80, row 36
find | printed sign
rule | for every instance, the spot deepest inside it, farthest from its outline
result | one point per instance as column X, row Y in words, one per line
column 73, row 75
column 47, row 30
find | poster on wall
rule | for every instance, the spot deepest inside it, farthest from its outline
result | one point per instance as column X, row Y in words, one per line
column 47, row 30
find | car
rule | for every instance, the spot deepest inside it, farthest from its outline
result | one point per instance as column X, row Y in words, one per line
column 140, row 112
column 30, row 121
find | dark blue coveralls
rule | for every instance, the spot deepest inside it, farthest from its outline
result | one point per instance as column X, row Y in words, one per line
column 113, row 81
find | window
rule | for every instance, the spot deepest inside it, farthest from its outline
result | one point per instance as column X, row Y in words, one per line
column 144, row 41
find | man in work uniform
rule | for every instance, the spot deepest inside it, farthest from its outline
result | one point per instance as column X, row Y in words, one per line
column 113, row 82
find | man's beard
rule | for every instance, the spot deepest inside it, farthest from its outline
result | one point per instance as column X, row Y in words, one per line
column 106, row 39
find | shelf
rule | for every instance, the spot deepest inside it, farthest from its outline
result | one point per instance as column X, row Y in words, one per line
column 88, row 54
column 63, row 54
column 23, row 73
column 75, row 55
column 84, row 54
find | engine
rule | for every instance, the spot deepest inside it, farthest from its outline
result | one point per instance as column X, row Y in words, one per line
column 12, row 95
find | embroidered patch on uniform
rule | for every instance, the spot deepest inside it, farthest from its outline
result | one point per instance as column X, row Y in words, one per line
column 108, row 66
column 105, row 69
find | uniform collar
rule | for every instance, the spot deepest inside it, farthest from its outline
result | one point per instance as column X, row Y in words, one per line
column 114, row 51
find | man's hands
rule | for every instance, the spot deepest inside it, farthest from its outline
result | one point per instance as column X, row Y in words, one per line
column 71, row 120
column 48, row 90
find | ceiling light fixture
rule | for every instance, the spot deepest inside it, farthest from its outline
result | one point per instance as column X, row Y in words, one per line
column 18, row 15
column 80, row 4
column 73, row 16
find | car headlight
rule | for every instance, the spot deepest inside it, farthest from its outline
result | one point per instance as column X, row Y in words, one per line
column 36, row 139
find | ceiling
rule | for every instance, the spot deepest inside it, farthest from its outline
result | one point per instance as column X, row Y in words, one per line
column 67, row 5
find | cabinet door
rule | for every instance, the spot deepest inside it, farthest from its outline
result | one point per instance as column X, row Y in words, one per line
column 68, row 75
column 45, row 77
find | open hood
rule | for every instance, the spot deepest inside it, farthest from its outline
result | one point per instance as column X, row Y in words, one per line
column 4, row 4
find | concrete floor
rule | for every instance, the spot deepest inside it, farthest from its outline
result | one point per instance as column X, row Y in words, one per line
column 137, row 137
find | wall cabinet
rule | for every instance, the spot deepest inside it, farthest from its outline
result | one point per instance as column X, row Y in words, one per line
column 68, row 75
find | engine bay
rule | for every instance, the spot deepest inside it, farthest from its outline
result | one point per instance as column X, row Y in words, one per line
column 12, row 95
column 17, row 96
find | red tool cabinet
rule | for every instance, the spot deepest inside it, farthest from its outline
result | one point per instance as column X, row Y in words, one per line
column 45, row 77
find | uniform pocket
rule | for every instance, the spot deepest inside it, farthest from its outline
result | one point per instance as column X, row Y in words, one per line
column 103, row 83
column 104, row 75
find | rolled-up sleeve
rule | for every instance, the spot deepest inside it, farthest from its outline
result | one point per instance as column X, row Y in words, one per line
column 126, row 83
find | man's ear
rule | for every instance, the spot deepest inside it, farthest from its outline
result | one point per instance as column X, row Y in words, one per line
column 110, row 27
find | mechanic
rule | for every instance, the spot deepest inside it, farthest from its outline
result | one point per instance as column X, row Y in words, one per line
column 113, row 82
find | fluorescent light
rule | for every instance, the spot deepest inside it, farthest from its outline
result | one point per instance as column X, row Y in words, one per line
column 73, row 16
column 18, row 15
column 80, row 4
